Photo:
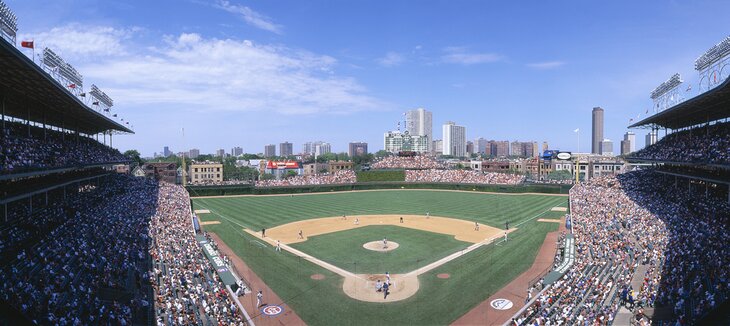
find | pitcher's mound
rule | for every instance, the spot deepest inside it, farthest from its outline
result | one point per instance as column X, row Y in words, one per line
column 378, row 246
column 443, row 275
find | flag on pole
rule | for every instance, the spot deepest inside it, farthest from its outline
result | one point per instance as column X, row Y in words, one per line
column 82, row 95
column 95, row 103
column 689, row 88
column 576, row 130
column 115, row 115
column 72, row 86
column 27, row 44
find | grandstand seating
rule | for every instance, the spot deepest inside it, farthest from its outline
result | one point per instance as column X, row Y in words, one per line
column 706, row 145
column 93, row 260
column 677, row 237
column 27, row 148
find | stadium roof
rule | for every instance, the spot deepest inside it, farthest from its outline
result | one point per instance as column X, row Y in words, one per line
column 709, row 106
column 32, row 94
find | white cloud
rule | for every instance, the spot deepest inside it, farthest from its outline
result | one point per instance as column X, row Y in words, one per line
column 546, row 65
column 460, row 55
column 391, row 59
column 78, row 42
column 251, row 17
column 192, row 72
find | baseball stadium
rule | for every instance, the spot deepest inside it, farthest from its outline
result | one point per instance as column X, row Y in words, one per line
column 93, row 236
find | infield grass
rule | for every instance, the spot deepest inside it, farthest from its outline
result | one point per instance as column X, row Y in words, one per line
column 416, row 249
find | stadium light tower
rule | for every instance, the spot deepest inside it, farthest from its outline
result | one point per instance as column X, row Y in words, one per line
column 63, row 72
column 8, row 22
column 667, row 94
column 101, row 99
column 714, row 65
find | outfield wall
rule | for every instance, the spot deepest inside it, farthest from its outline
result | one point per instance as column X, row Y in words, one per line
column 199, row 191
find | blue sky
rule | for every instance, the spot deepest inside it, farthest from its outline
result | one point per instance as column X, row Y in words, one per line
column 248, row 73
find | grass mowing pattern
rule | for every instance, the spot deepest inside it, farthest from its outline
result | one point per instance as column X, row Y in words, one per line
column 416, row 249
column 486, row 208
column 379, row 175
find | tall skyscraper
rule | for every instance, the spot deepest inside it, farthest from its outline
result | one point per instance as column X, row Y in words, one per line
column 322, row 148
column 606, row 147
column 630, row 138
column 357, row 149
column 481, row 145
column 220, row 153
column 437, row 147
column 545, row 146
column 651, row 138
column 286, row 149
column 194, row 153
column 597, row 130
column 237, row 151
column 454, row 139
column 419, row 123
column 166, row 151
column 517, row 149
column 469, row 147
column 270, row 150
column 499, row 148
column 625, row 147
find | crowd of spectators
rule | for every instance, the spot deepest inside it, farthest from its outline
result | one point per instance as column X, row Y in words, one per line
column 24, row 147
column 463, row 176
column 709, row 145
column 185, row 283
column 408, row 162
column 339, row 177
column 678, row 237
column 92, row 267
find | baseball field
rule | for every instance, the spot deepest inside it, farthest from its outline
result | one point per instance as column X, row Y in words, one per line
column 443, row 250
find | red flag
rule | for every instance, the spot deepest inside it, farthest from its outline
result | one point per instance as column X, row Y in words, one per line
column 27, row 44
column 72, row 86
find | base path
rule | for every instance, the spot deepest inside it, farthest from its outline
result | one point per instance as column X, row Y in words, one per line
column 288, row 317
column 362, row 286
column 515, row 291
column 462, row 230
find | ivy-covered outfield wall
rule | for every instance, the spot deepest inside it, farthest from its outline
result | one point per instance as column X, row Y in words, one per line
column 227, row 190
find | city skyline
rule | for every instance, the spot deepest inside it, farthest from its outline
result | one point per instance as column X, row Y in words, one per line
column 304, row 77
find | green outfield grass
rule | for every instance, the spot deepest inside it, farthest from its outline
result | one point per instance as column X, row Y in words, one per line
column 416, row 249
column 474, row 276
column 488, row 208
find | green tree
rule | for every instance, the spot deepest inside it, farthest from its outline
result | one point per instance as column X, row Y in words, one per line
column 382, row 153
column 250, row 157
column 134, row 155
